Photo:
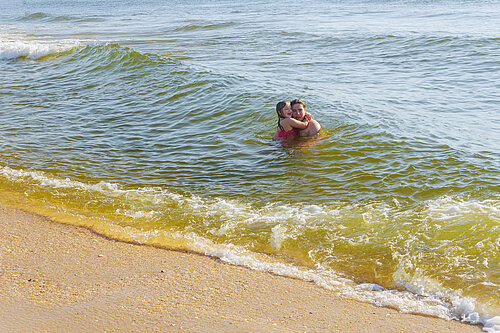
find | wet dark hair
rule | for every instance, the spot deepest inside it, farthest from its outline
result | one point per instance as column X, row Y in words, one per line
column 279, row 107
column 298, row 101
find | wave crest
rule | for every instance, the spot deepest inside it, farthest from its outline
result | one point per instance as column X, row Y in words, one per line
column 14, row 47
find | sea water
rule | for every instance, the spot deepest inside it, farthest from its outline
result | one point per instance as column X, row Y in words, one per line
column 152, row 121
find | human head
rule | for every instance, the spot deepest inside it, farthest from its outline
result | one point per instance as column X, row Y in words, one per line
column 298, row 109
column 283, row 109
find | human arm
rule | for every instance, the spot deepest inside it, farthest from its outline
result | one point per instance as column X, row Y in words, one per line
column 296, row 123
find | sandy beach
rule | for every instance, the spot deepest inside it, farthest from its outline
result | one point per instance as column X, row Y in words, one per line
column 61, row 278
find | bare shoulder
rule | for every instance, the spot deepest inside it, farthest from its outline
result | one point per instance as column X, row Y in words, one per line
column 315, row 124
column 312, row 129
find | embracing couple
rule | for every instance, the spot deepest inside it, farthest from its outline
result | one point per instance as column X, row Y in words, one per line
column 293, row 121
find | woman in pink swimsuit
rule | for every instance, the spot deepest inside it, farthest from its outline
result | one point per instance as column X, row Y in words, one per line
column 287, row 124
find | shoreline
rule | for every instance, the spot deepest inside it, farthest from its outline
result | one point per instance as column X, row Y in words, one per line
column 58, row 277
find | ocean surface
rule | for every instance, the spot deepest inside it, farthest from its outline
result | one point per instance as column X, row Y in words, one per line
column 151, row 121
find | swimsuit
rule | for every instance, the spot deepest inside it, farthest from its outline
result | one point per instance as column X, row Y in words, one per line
column 282, row 134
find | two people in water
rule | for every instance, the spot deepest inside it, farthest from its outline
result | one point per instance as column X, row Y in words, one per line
column 294, row 121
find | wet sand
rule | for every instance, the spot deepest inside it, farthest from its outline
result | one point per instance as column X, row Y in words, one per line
column 57, row 277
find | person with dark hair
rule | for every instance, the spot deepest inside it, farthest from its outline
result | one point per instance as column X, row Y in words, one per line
column 286, row 124
column 299, row 113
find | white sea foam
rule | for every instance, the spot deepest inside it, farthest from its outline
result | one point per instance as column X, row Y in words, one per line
column 13, row 46
column 278, row 235
column 137, row 214
column 491, row 324
column 429, row 304
column 419, row 297
column 449, row 208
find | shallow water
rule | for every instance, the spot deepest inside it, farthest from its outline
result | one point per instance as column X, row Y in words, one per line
column 153, row 122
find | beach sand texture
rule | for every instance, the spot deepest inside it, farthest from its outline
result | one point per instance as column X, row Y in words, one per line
column 57, row 277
